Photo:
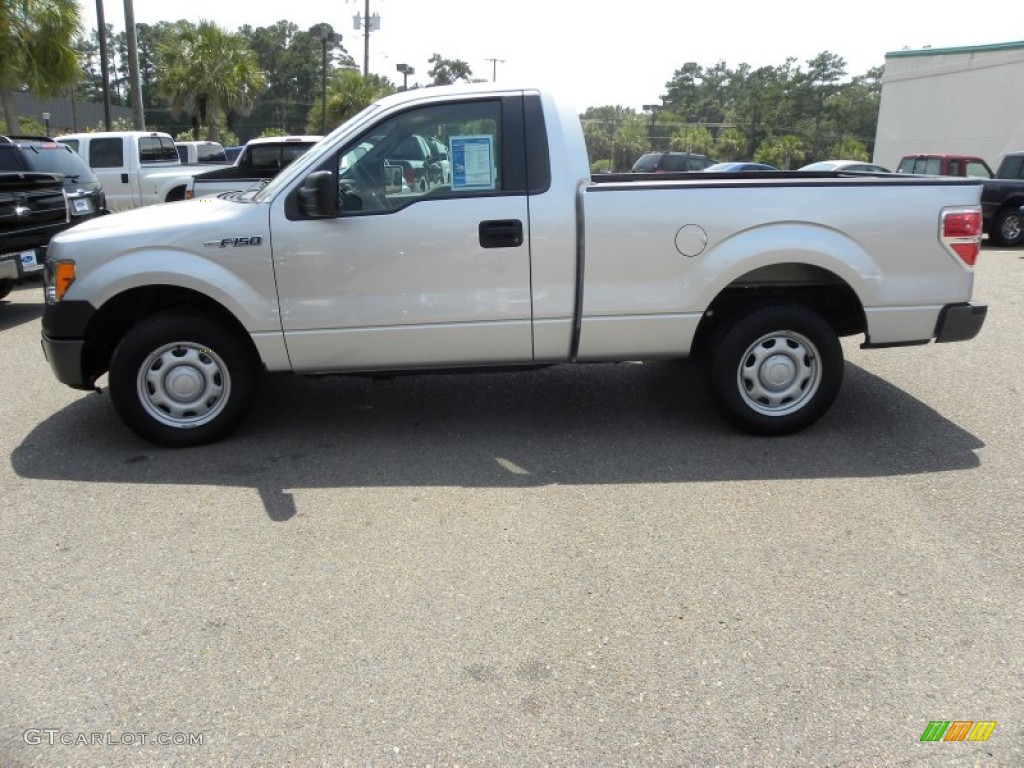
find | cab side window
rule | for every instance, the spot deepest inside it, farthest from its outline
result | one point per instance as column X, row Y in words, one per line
column 106, row 152
column 440, row 151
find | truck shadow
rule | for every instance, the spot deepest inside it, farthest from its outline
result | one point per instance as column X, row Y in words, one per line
column 570, row 425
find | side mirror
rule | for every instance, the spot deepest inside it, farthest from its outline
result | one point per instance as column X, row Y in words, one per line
column 318, row 196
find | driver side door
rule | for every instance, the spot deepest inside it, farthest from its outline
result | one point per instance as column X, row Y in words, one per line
column 414, row 273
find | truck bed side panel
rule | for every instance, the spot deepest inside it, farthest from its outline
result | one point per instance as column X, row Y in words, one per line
column 658, row 254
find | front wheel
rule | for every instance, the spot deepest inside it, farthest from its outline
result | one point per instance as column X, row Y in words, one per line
column 1008, row 228
column 776, row 370
column 6, row 286
column 182, row 379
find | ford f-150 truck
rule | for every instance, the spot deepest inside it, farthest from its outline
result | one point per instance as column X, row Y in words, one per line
column 521, row 259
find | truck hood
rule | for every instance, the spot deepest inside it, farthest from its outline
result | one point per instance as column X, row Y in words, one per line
column 183, row 225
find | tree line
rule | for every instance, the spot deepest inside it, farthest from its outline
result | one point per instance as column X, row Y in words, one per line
column 786, row 115
column 201, row 80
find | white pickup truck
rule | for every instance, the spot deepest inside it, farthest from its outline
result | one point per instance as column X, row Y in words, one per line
column 136, row 168
column 520, row 259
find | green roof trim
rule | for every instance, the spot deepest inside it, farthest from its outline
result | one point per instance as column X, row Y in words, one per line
column 962, row 49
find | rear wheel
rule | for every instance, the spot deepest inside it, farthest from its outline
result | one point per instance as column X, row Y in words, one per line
column 182, row 379
column 776, row 370
column 1008, row 228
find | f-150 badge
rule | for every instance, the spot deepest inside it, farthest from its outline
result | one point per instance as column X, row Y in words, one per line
column 234, row 242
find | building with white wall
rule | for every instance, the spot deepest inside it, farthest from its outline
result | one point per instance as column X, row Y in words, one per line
column 964, row 101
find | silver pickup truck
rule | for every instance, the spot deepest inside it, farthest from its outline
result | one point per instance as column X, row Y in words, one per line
column 518, row 258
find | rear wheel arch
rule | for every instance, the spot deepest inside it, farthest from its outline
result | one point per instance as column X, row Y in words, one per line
column 816, row 288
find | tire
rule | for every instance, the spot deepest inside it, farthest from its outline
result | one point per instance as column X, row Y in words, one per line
column 1007, row 228
column 6, row 286
column 180, row 380
column 776, row 370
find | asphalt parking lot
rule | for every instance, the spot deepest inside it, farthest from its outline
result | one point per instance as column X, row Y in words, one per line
column 582, row 566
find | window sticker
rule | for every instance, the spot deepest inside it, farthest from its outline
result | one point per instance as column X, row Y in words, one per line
column 472, row 159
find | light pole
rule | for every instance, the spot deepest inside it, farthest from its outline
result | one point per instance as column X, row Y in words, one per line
column 324, row 36
column 406, row 70
column 654, row 109
column 46, row 119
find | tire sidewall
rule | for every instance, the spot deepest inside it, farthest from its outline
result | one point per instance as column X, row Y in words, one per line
column 149, row 335
column 997, row 230
column 733, row 342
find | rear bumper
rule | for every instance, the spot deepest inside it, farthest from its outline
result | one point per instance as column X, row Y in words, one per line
column 960, row 322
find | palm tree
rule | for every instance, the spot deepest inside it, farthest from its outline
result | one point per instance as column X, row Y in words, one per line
column 209, row 74
column 348, row 91
column 36, row 50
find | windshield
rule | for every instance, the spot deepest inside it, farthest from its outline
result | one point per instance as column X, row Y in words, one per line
column 302, row 164
column 56, row 158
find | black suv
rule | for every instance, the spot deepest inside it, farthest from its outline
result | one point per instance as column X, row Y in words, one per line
column 39, row 154
column 671, row 162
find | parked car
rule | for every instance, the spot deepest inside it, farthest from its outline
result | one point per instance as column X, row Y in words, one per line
column 1001, row 200
column 260, row 161
column 522, row 261
column 40, row 163
column 671, row 162
column 846, row 166
column 193, row 152
column 945, row 165
column 33, row 208
column 737, row 167
column 41, row 154
column 136, row 168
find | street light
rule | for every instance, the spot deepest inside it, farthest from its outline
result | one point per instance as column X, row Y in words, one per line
column 46, row 119
column 406, row 70
column 325, row 37
column 654, row 109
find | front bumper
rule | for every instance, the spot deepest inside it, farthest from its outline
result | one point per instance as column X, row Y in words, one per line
column 65, row 357
column 63, row 341
column 960, row 322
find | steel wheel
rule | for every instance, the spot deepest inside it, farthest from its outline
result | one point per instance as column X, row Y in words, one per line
column 181, row 379
column 184, row 384
column 776, row 369
column 779, row 373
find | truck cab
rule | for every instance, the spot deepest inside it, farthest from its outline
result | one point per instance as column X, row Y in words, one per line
column 945, row 165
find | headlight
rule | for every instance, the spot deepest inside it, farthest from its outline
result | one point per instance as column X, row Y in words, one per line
column 57, row 278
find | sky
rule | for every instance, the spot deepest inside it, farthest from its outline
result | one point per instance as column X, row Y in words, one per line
column 594, row 53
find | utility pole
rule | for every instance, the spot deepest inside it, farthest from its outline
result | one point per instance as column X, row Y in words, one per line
column 368, row 24
column 494, row 68
column 133, row 66
column 105, row 76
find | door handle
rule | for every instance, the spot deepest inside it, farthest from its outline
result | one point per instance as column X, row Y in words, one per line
column 501, row 233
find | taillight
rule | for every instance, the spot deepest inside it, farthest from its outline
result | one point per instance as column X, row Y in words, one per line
column 961, row 233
